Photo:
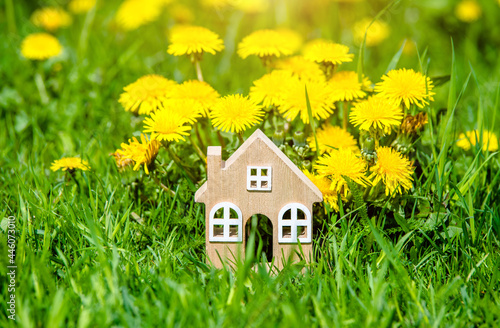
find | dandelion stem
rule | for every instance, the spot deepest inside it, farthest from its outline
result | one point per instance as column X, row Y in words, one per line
column 198, row 136
column 240, row 138
column 162, row 186
column 84, row 35
column 178, row 162
column 40, row 85
column 346, row 115
column 221, row 139
column 198, row 150
column 11, row 18
column 198, row 70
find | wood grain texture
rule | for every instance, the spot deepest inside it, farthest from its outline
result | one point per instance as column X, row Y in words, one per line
column 227, row 182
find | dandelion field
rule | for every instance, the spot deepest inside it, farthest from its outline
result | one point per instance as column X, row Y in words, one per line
column 106, row 112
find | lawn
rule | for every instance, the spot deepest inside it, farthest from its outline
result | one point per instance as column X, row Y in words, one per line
column 408, row 233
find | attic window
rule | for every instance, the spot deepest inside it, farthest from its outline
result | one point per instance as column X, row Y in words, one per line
column 259, row 178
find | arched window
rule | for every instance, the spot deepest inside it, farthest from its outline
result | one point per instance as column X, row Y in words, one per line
column 225, row 223
column 294, row 223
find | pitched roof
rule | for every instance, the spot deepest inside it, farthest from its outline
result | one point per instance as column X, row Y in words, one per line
column 258, row 134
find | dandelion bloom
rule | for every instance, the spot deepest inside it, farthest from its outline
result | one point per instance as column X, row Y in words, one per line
column 344, row 86
column 165, row 125
column 302, row 68
column 181, row 14
column 250, row 6
column 324, row 51
column 406, row 86
column 267, row 43
column 40, row 46
column 323, row 184
column 188, row 109
column 121, row 161
column 342, row 163
column 142, row 153
column 235, row 113
column 468, row 11
column 81, row 6
column 269, row 88
column 146, row 94
column 393, row 169
column 376, row 113
column 294, row 100
column 187, row 40
column 135, row 13
column 70, row 163
column 199, row 91
column 472, row 138
column 332, row 137
column 377, row 32
column 51, row 18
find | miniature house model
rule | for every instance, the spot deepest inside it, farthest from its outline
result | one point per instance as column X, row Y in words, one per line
column 257, row 179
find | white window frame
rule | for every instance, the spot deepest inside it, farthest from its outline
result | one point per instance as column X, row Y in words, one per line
column 294, row 223
column 226, row 222
column 259, row 178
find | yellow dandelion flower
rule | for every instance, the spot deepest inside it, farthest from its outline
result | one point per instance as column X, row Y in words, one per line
column 235, row 113
column 40, row 46
column 187, row 40
column 345, row 86
column 81, row 6
column 199, row 91
column 250, row 6
column 146, row 94
column 302, row 68
column 181, row 14
column 70, row 163
column 323, row 184
column 51, row 18
column 142, row 153
column 269, row 88
column 331, row 137
column 215, row 4
column 294, row 100
column 406, row 86
column 472, row 138
column 188, row 109
column 121, row 161
column 266, row 43
column 324, row 51
column 165, row 125
column 133, row 14
column 376, row 113
column 339, row 163
column 393, row 169
column 468, row 11
column 378, row 31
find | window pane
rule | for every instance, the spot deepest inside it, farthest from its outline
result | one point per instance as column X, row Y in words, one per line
column 253, row 184
column 218, row 230
column 219, row 214
column 233, row 231
column 253, row 172
column 301, row 232
column 233, row 214
column 301, row 215
column 263, row 172
column 287, row 215
column 287, row 232
column 263, row 184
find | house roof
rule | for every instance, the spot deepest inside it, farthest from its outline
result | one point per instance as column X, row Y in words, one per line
column 258, row 134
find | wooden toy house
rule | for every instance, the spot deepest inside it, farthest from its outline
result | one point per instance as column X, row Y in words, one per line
column 257, row 179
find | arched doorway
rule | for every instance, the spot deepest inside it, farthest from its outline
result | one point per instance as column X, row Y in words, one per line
column 262, row 229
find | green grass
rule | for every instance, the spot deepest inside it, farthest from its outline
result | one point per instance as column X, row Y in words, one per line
column 113, row 249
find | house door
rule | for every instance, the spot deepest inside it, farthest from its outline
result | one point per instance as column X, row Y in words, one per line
column 259, row 236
